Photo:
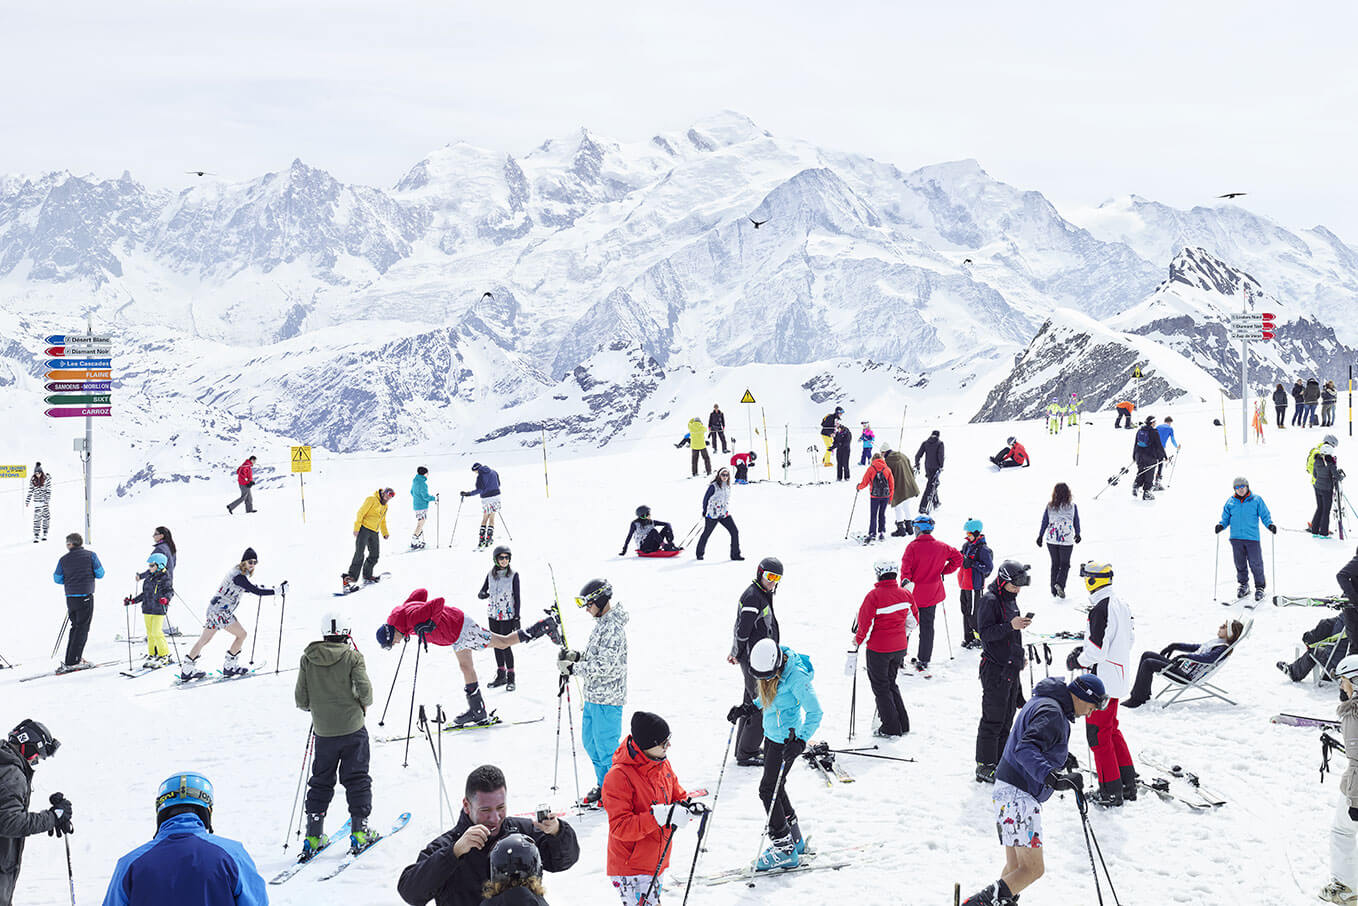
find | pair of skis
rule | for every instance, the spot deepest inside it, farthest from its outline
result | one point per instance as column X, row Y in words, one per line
column 1337, row 602
column 1161, row 786
column 494, row 720
column 824, row 762
column 25, row 679
column 349, row 859
column 811, row 860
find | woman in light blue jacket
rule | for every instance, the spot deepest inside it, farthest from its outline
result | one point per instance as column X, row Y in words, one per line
column 420, row 498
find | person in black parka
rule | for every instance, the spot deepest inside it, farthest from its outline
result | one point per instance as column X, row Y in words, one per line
column 931, row 451
column 1280, row 404
column 842, row 445
column 1147, row 453
column 27, row 744
column 1298, row 402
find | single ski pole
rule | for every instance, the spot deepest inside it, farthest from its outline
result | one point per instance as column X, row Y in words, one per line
column 692, row 533
column 282, row 609
column 294, row 815
column 570, row 725
column 254, row 638
column 768, row 819
column 947, row 633
column 871, row 755
column 716, row 793
column 669, row 838
column 505, row 526
column 851, row 510
column 66, row 621
column 697, row 848
column 1273, row 547
column 453, row 534
column 423, row 726
column 70, row 872
column 410, row 719
column 438, row 522
column 383, row 720
column 556, row 759
column 853, row 695
column 127, row 622
column 1216, row 568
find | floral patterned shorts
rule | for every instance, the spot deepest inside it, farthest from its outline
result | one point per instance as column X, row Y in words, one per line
column 1018, row 817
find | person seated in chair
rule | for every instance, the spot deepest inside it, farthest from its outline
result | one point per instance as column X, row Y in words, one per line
column 648, row 535
column 1178, row 656
column 1326, row 644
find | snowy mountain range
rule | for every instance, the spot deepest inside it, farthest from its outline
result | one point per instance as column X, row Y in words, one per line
column 458, row 304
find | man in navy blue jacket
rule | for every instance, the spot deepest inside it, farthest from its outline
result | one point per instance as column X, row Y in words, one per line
column 1036, row 762
column 76, row 572
column 488, row 489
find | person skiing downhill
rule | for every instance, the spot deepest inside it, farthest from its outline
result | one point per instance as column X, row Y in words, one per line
column 603, row 666
column 977, row 562
column 40, row 495
column 931, row 452
column 76, row 573
column 791, row 716
column 1343, row 886
column 371, row 519
column 1036, row 763
column 646, row 535
column 434, row 623
column 1061, row 530
column 154, row 599
column 881, row 485
column 221, row 614
column 27, row 744
column 333, row 686
column 500, row 591
column 488, row 488
column 245, row 480
column 1147, row 454
column 1107, row 652
column 1000, row 625
column 904, row 488
column 420, row 498
column 1244, row 512
column 717, row 511
column 885, row 620
column 515, row 874
column 755, row 620
column 925, row 562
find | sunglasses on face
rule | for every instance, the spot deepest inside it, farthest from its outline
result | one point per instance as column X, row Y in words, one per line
column 502, row 557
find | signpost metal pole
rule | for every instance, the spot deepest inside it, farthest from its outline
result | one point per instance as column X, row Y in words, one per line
column 89, row 453
column 1244, row 374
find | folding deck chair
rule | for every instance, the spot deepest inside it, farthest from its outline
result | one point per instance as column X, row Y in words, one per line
column 1185, row 676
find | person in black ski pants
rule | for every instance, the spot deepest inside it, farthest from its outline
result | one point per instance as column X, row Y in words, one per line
column 931, row 451
column 717, row 511
column 1298, row 402
column 1147, row 452
column 716, row 428
column 1348, row 584
column 1325, row 478
column 755, row 620
column 1001, row 626
column 1280, row 404
column 842, row 446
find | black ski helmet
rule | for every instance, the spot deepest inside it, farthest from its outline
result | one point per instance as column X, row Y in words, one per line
column 33, row 740
column 643, row 512
column 501, row 549
column 1015, row 573
column 771, row 564
column 596, row 591
column 515, row 858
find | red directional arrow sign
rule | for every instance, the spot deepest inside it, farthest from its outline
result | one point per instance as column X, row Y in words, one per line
column 1269, row 325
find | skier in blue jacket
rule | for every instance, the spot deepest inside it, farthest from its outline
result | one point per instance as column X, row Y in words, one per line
column 488, row 489
column 185, row 864
column 1166, row 431
column 1243, row 513
column 420, row 498
column 1036, row 763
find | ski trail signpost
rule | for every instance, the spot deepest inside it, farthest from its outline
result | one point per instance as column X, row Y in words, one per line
column 80, row 381
column 1247, row 326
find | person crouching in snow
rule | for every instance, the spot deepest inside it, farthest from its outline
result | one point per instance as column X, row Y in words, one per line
column 1012, row 456
column 221, row 614
column 435, row 623
column 603, row 666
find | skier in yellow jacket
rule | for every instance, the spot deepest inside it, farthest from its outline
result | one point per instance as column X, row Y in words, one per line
column 371, row 519
column 697, row 442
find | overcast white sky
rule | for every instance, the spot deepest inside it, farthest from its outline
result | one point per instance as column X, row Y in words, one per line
column 1082, row 101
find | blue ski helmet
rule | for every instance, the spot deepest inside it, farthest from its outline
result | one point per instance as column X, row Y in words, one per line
column 158, row 560
column 924, row 523
column 972, row 525
column 188, row 788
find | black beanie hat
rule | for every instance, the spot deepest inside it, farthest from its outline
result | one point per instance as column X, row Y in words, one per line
column 249, row 555
column 649, row 729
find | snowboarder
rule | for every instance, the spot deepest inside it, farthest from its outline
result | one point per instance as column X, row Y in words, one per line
column 716, row 428
column 717, row 511
column 925, row 562
column 420, row 498
column 904, row 488
column 1012, row 456
column 1343, row 886
column 185, row 862
column 154, row 599
column 1000, row 625
column 1036, row 763
column 1243, row 512
column 453, row 869
column 881, row 484
column 1326, row 645
column 931, row 451
column 500, row 591
column 1298, row 403
column 515, row 873
column 646, row 807
column 1323, row 465
column 1152, row 662
column 867, row 437
column 371, row 519
column 1061, row 530
column 603, row 665
column 1166, row 432
column 646, row 535
column 221, row 614
column 840, row 445
column 885, row 620
column 755, row 620
column 76, row 572
column 245, row 480
column 742, row 463
column 977, row 562
column 828, row 426
column 434, row 623
column 333, row 685
column 1107, row 653
column 1124, row 412
column 1280, row 404
column 40, row 495
column 27, row 744
column 1147, row 454
column 791, row 715
column 488, row 488
column 697, row 444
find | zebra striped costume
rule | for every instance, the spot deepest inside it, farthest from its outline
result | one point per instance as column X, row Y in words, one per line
column 40, row 495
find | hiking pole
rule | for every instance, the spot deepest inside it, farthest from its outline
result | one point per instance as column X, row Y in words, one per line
column 505, row 526
column 697, row 848
column 62, row 634
column 294, row 815
column 259, row 602
column 453, row 534
column 282, row 609
column 1273, row 547
column 414, row 682
column 127, row 622
column 70, row 872
column 382, row 721
column 716, row 793
column 650, row 888
column 768, row 819
column 851, row 509
column 947, row 633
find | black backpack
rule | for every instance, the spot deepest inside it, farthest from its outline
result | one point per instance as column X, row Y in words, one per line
column 881, row 487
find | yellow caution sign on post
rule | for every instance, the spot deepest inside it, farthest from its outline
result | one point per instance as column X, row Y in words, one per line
column 748, row 397
column 301, row 459
column 13, row 471
column 1137, row 372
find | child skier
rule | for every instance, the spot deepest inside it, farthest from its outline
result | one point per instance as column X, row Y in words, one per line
column 40, row 495
column 420, row 498
column 154, row 599
column 500, row 591
column 603, row 665
column 881, row 485
column 221, row 614
column 885, row 620
column 867, row 437
column 977, row 562
column 488, row 488
column 435, row 623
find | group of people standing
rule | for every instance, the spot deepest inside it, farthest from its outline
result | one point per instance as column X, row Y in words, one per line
column 1305, row 397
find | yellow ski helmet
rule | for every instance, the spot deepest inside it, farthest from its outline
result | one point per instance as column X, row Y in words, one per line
column 1096, row 575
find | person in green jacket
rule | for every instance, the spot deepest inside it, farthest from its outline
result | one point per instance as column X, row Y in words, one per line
column 420, row 498
column 333, row 685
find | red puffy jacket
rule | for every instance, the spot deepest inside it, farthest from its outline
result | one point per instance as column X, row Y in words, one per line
column 245, row 473
column 416, row 610
column 927, row 560
column 1018, row 454
column 883, row 617
column 631, row 787
column 874, row 466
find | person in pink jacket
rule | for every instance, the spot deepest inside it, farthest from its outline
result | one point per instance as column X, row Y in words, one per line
column 927, row 560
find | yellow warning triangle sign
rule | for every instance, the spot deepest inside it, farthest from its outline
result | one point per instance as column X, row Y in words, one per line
column 748, row 397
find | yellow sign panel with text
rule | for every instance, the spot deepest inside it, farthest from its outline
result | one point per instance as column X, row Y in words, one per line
column 13, row 471
column 301, row 459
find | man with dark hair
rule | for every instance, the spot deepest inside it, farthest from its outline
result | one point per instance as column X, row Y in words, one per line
column 453, row 867
column 245, row 480
column 76, row 572
column 931, row 452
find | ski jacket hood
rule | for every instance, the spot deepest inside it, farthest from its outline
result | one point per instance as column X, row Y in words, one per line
column 372, row 515
column 795, row 708
column 925, row 562
column 333, row 685
column 631, row 787
column 184, row 863
column 1039, row 742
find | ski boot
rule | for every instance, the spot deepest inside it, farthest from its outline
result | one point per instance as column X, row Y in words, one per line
column 315, row 839
column 416, row 543
column 476, row 709
column 188, row 669
column 1243, row 591
column 482, row 543
column 1338, row 892
column 781, row 853
column 1147, row 495
column 1159, row 486
column 347, row 582
column 593, row 799
column 500, row 679
column 490, row 535
column 996, row 894
column 362, row 836
column 1128, row 783
column 82, row 664
column 233, row 667
column 900, row 530
column 509, row 681
column 1109, row 794
column 798, row 841
column 35, row 539
column 372, row 580
column 151, row 662
column 985, row 773
column 1259, row 593
column 548, row 627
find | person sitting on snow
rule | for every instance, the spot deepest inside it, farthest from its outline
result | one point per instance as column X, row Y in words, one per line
column 742, row 462
column 1012, row 456
column 1326, row 644
column 646, row 535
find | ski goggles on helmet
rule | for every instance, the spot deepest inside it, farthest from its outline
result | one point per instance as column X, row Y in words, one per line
column 770, row 576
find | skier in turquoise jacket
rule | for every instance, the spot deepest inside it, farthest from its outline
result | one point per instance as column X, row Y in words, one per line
column 420, row 498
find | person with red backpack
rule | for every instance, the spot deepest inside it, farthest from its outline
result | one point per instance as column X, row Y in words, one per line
column 245, row 478
column 927, row 560
column 881, row 485
column 885, row 620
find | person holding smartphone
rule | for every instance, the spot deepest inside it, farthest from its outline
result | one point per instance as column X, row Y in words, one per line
column 1000, row 625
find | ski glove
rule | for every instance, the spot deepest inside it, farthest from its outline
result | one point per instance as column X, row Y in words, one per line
column 1077, row 537
column 423, row 629
column 483, row 595
column 675, row 816
column 163, row 602
column 1273, row 528
column 794, row 747
column 61, row 810
column 566, row 661
column 127, row 600
column 1039, row 540
column 1353, row 813
column 1220, row 528
column 1073, row 659
column 747, row 710
column 462, row 493
column 1072, row 763
column 1068, row 781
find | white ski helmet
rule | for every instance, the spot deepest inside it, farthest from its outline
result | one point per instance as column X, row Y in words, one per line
column 1347, row 667
column 335, row 623
column 765, row 658
column 884, row 568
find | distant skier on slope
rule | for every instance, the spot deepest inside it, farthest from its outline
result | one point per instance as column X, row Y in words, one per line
column 716, row 428
column 221, row 614
column 717, row 511
column 867, row 437
column 154, row 599
column 1000, row 624
column 697, row 444
column 488, row 488
column 1166, row 432
column 371, row 519
column 742, row 463
column 40, row 495
column 1124, row 409
column 828, row 425
column 245, row 480
column 931, row 452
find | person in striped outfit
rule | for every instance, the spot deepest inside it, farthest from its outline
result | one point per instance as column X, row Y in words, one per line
column 40, row 495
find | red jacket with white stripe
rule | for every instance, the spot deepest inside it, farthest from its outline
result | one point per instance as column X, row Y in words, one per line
column 927, row 560
column 886, row 617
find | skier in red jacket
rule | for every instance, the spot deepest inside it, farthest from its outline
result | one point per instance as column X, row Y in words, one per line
column 434, row 622
column 1012, row 456
column 881, row 486
column 245, row 479
column 885, row 620
column 927, row 560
